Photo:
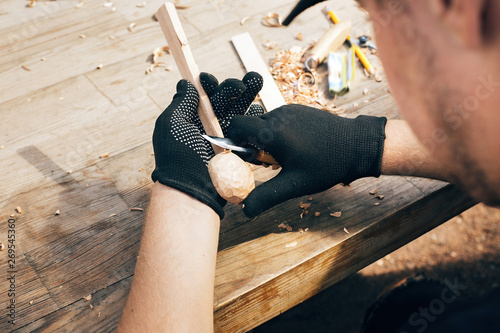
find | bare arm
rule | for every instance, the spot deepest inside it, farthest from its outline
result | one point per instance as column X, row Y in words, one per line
column 404, row 155
column 172, row 290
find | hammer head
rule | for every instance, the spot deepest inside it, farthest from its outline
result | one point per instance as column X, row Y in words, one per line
column 299, row 8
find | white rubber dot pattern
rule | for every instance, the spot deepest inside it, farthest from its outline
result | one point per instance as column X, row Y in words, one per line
column 187, row 128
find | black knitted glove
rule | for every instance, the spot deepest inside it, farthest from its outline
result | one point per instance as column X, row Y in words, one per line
column 222, row 97
column 181, row 154
column 315, row 149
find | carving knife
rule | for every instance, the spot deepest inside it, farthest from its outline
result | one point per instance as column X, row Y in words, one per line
column 247, row 153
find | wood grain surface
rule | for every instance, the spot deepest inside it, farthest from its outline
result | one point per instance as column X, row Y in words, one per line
column 77, row 139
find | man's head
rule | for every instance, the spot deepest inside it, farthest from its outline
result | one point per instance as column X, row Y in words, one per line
column 441, row 60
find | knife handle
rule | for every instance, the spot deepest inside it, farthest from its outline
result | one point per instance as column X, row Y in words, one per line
column 265, row 158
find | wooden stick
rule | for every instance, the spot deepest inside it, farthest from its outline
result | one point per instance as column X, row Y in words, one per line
column 179, row 46
column 250, row 57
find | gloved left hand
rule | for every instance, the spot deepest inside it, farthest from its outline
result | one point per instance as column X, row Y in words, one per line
column 181, row 154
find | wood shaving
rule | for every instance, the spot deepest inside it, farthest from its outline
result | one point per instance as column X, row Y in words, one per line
column 304, row 205
column 100, row 66
column 285, row 226
column 43, row 59
column 310, row 199
column 87, row 298
column 336, row 214
column 345, row 230
column 91, row 307
column 82, row 36
column 80, row 5
column 159, row 51
column 31, row 302
column 19, row 210
column 111, row 215
column 365, row 91
column 316, row 214
column 301, row 230
column 243, row 20
column 26, row 68
column 181, row 6
column 111, row 37
column 58, row 212
column 131, row 26
column 293, row 244
column 141, row 5
column 159, row 64
column 104, row 155
column 296, row 85
column 108, row 4
column 300, row 37
column 270, row 45
column 272, row 20
column 380, row 197
column 373, row 192
column 136, row 209
column 99, row 315
column 377, row 204
column 2, row 247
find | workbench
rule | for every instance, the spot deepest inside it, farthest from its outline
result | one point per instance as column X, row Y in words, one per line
column 78, row 112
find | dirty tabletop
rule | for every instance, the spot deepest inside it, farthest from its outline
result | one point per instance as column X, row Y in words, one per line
column 76, row 140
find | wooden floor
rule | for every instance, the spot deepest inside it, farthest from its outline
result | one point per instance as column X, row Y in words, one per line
column 60, row 114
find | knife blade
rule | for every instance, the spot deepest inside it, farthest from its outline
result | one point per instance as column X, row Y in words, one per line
column 249, row 154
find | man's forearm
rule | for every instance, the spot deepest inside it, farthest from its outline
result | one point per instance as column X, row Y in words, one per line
column 404, row 155
column 172, row 290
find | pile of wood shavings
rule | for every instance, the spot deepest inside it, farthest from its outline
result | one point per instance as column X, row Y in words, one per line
column 295, row 83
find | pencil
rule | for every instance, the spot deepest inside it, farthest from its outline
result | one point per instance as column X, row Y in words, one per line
column 359, row 53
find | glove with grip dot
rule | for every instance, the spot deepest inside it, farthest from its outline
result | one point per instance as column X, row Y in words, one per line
column 181, row 154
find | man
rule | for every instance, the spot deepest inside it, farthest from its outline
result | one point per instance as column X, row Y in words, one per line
column 441, row 60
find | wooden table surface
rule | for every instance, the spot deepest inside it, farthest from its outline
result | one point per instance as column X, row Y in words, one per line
column 60, row 113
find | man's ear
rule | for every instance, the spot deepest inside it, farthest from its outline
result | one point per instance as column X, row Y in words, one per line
column 463, row 19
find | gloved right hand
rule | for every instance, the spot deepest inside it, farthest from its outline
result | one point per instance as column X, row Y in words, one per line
column 315, row 149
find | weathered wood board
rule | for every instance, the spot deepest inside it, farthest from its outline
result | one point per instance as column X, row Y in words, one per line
column 59, row 117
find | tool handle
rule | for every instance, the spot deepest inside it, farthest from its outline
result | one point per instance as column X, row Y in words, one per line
column 179, row 47
column 265, row 158
column 331, row 41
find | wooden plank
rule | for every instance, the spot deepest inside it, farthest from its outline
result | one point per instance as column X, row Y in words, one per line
column 270, row 94
column 64, row 58
column 68, row 134
column 84, row 198
column 107, row 305
column 14, row 11
column 28, row 288
column 279, row 292
column 89, row 259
